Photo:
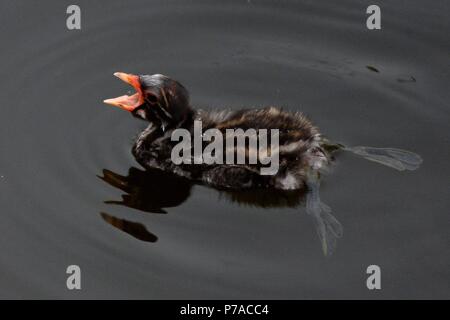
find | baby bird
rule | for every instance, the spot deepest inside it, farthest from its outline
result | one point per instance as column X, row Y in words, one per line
column 303, row 154
column 164, row 103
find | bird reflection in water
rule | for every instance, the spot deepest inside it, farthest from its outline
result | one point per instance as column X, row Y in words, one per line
column 154, row 191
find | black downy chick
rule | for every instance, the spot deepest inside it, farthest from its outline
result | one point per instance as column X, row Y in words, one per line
column 304, row 154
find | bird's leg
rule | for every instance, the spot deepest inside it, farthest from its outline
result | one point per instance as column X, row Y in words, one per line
column 395, row 158
column 327, row 227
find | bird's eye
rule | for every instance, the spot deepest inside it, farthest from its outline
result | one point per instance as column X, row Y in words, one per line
column 152, row 98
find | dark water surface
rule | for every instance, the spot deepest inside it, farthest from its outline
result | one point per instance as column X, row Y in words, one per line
column 387, row 88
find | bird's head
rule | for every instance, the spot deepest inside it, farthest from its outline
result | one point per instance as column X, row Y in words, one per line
column 158, row 99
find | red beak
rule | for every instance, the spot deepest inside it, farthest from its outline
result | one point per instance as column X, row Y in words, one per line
column 125, row 102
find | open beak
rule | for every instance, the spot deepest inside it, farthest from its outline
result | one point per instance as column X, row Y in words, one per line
column 125, row 102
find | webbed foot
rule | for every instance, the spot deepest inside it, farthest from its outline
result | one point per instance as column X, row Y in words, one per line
column 395, row 158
